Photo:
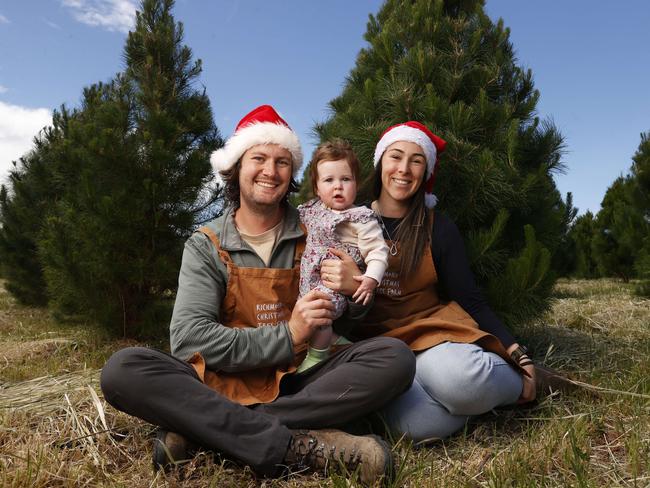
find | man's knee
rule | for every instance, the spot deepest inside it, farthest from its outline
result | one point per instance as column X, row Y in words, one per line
column 397, row 359
column 404, row 360
column 118, row 373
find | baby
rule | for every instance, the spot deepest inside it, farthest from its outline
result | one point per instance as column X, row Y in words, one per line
column 332, row 221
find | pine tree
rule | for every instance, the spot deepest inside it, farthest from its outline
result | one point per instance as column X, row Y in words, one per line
column 174, row 120
column 21, row 223
column 620, row 231
column 76, row 238
column 25, row 201
column 112, row 248
column 642, row 267
column 641, row 199
column 581, row 235
column 564, row 259
column 641, row 176
column 447, row 65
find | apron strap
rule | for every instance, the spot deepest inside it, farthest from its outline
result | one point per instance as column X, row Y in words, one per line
column 223, row 254
column 300, row 247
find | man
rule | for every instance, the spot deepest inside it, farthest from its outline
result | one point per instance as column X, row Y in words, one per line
column 237, row 333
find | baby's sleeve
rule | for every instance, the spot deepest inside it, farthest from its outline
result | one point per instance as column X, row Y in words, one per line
column 373, row 248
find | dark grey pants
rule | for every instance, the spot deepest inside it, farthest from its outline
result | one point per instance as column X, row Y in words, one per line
column 167, row 392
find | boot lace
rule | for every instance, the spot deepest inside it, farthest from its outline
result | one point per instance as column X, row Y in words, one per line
column 310, row 453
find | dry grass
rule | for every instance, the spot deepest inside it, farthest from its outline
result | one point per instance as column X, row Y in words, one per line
column 56, row 430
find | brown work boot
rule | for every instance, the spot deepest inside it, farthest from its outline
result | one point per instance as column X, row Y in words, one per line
column 328, row 450
column 170, row 449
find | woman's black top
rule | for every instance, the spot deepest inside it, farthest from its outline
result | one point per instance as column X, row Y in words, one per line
column 455, row 279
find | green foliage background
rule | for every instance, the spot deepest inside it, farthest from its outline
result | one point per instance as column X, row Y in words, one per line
column 616, row 242
column 118, row 184
column 94, row 216
column 447, row 65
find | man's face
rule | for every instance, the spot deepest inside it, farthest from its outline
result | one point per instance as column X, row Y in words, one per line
column 264, row 176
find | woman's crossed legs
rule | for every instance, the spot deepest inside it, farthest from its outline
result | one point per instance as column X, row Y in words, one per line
column 453, row 382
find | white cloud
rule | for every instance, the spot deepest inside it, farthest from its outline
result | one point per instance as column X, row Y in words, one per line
column 113, row 15
column 3, row 89
column 52, row 24
column 3, row 19
column 18, row 126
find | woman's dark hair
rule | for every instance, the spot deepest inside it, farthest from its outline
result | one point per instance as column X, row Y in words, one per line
column 414, row 231
column 230, row 179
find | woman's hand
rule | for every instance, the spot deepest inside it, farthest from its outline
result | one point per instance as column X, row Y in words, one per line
column 338, row 274
column 529, row 391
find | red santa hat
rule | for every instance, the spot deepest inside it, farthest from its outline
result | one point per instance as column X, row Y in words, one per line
column 431, row 144
column 261, row 126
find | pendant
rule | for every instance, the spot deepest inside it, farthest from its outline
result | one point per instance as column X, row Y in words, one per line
column 392, row 250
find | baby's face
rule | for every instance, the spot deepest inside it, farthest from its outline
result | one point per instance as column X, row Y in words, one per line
column 336, row 186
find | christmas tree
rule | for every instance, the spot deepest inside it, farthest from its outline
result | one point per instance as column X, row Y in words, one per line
column 620, row 231
column 25, row 200
column 623, row 238
column 113, row 244
column 641, row 198
column 447, row 65
column 582, row 235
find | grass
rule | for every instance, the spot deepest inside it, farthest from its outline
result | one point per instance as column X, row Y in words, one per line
column 56, row 430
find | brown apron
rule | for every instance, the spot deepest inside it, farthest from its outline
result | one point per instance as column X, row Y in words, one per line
column 257, row 297
column 411, row 310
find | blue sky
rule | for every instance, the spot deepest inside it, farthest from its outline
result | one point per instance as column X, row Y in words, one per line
column 590, row 60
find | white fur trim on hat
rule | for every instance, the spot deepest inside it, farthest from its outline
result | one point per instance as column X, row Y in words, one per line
column 252, row 135
column 430, row 200
column 409, row 134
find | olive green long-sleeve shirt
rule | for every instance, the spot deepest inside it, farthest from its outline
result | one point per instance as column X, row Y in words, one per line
column 196, row 324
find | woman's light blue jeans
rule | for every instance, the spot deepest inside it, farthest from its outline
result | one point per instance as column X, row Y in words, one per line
column 452, row 383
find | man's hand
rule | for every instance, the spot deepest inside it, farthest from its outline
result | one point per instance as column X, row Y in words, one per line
column 310, row 312
column 338, row 274
column 366, row 289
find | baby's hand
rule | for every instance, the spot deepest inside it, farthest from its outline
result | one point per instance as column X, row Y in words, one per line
column 365, row 290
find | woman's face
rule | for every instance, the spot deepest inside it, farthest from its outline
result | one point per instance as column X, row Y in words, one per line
column 403, row 167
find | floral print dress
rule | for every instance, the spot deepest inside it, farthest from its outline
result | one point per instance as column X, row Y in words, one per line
column 321, row 223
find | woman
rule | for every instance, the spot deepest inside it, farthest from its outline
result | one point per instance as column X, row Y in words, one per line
column 467, row 361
